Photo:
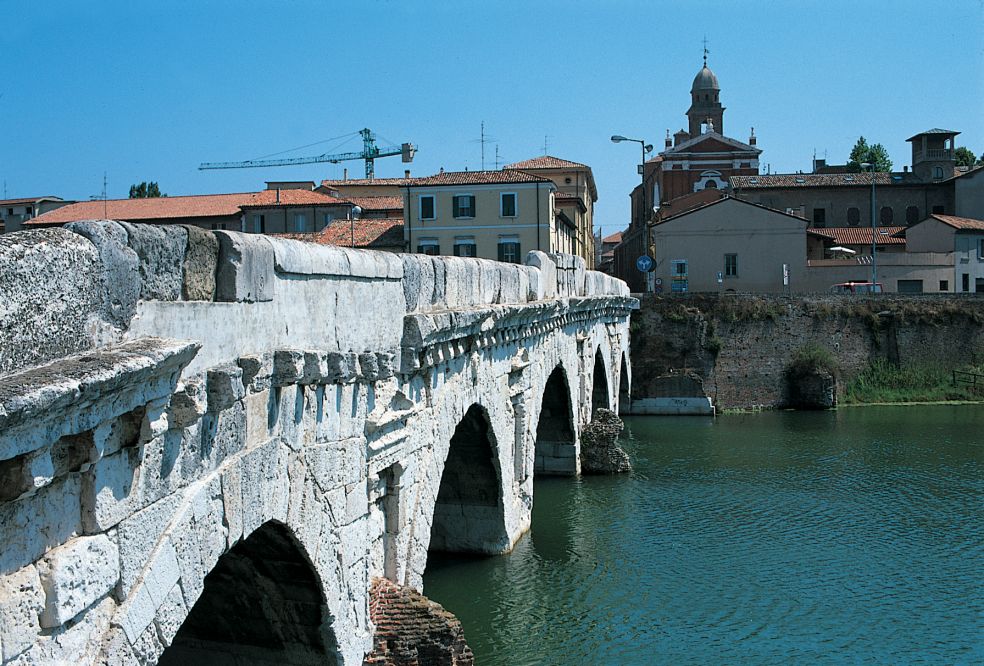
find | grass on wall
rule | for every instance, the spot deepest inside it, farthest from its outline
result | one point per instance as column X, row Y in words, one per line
column 884, row 382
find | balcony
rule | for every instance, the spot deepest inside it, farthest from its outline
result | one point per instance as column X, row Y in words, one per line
column 932, row 154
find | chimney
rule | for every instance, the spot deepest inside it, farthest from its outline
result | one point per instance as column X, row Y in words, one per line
column 406, row 173
column 442, row 170
column 905, row 169
column 669, row 142
column 751, row 139
column 344, row 174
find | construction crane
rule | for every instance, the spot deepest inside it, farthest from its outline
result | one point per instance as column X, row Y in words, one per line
column 370, row 151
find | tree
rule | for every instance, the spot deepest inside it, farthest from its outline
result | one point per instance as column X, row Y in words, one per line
column 873, row 154
column 964, row 157
column 145, row 190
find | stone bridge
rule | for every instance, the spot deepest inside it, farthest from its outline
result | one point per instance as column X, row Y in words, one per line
column 212, row 443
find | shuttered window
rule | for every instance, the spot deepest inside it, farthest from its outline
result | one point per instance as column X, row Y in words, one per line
column 509, row 251
column 464, row 205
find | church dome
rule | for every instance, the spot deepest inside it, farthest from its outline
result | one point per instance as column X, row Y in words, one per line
column 705, row 80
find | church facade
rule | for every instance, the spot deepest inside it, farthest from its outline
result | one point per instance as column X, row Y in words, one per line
column 694, row 159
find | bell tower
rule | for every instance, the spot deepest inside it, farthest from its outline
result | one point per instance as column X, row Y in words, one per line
column 705, row 105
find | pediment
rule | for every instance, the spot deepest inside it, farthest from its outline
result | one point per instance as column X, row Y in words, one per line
column 711, row 142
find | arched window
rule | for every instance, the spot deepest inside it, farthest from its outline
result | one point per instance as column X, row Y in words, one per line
column 710, row 185
column 853, row 216
column 911, row 215
column 937, row 172
column 887, row 216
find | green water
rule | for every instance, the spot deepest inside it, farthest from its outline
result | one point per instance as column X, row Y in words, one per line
column 854, row 536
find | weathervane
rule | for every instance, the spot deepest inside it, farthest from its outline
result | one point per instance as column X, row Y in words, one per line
column 705, row 51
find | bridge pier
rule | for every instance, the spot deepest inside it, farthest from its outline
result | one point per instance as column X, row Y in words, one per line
column 327, row 419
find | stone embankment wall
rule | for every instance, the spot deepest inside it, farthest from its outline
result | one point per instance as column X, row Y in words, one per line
column 735, row 348
column 181, row 408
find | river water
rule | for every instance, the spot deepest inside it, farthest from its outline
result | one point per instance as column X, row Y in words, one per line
column 851, row 536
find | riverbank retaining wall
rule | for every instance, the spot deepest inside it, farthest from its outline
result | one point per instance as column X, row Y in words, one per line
column 734, row 349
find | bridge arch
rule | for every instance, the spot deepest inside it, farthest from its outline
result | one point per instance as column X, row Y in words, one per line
column 262, row 602
column 469, row 514
column 555, row 448
column 624, row 386
column 600, row 394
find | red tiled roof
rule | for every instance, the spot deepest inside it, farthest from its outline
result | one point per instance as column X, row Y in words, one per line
column 960, row 222
column 364, row 182
column 546, row 162
column 196, row 206
column 24, row 200
column 202, row 205
column 614, row 238
column 478, row 178
column 859, row 235
column 268, row 198
column 387, row 232
column 377, row 203
column 818, row 180
column 687, row 202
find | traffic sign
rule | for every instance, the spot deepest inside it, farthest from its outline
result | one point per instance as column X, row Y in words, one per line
column 645, row 263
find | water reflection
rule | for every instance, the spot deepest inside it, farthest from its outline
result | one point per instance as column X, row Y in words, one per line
column 852, row 536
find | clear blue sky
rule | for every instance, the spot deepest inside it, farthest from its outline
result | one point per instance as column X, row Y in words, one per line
column 147, row 90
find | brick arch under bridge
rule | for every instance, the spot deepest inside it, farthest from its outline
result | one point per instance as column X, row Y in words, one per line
column 188, row 428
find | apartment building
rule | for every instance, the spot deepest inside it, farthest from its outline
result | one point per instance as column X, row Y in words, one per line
column 497, row 215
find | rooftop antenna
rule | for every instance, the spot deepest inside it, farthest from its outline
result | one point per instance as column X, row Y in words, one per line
column 97, row 197
column 545, row 144
column 4, row 184
column 484, row 139
column 496, row 157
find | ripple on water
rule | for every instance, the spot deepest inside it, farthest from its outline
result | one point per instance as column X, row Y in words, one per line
column 853, row 537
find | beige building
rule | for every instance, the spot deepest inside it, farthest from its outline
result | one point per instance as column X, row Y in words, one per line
column 961, row 236
column 574, row 200
column 729, row 245
column 489, row 214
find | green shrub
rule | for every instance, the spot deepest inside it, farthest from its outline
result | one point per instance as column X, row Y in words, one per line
column 811, row 359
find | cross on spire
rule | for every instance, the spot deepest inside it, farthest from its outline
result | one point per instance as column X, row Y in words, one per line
column 705, row 51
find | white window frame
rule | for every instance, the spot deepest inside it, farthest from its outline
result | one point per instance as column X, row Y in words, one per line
column 420, row 206
column 515, row 205
column 464, row 240
column 474, row 206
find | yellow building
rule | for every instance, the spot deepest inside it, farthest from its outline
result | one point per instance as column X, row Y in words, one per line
column 575, row 198
column 497, row 215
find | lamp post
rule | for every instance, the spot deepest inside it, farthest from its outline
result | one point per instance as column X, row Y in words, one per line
column 874, row 225
column 646, row 148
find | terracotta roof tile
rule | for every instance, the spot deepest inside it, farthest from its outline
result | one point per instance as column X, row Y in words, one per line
column 196, row 206
column 859, row 235
column 968, row 223
column 377, row 203
column 203, row 205
column 818, row 180
column 364, row 182
column 387, row 232
column 546, row 162
column 478, row 178
column 614, row 238
column 267, row 198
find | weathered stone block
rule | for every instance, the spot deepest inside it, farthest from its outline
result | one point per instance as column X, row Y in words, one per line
column 342, row 366
column 288, row 367
column 257, row 372
column 33, row 524
column 21, row 601
column 110, row 491
column 160, row 252
column 200, row 262
column 245, row 268
column 75, row 575
column 120, row 268
column 188, row 403
column 224, row 387
column 547, row 273
column 139, row 534
column 56, row 268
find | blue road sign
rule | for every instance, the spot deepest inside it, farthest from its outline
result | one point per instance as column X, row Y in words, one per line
column 645, row 263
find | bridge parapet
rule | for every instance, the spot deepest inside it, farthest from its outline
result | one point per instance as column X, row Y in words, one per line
column 167, row 392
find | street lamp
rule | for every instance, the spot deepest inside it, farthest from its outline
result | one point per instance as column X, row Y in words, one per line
column 646, row 148
column 874, row 225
